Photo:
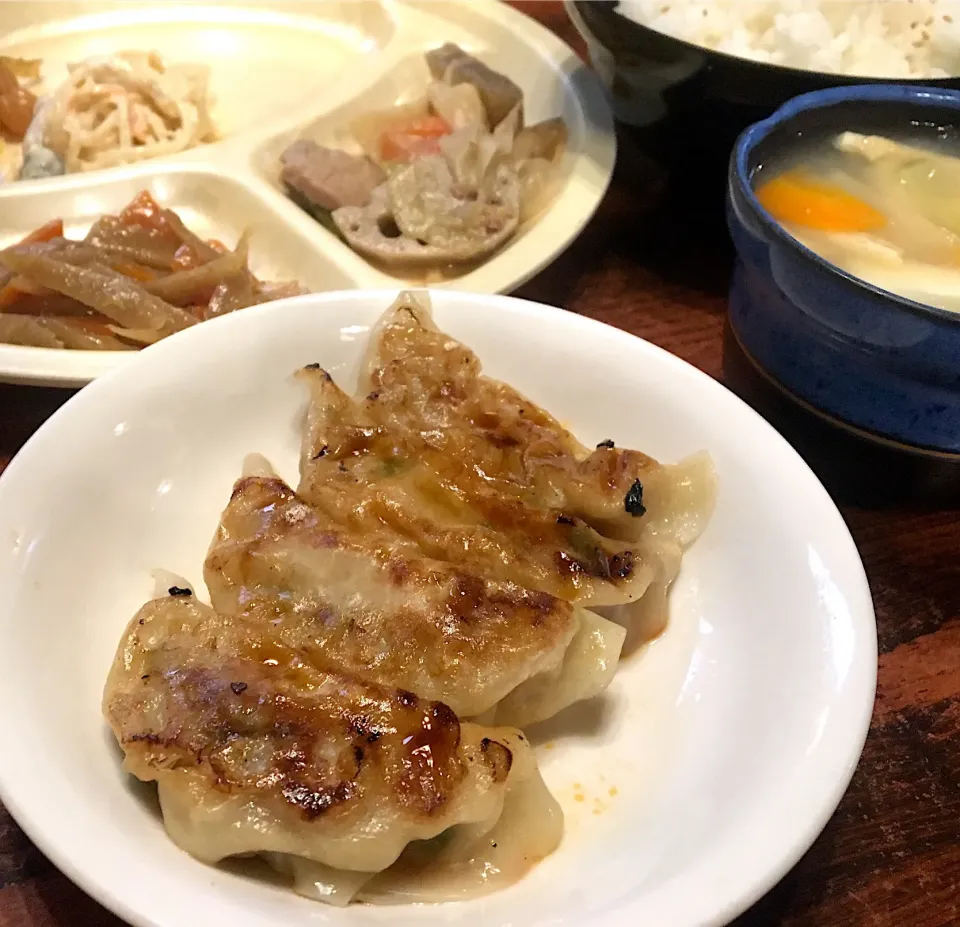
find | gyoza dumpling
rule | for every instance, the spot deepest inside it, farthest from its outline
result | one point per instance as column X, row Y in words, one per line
column 467, row 860
column 254, row 750
column 431, row 386
column 379, row 478
column 357, row 603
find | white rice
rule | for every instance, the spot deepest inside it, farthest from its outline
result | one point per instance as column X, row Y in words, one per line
column 882, row 38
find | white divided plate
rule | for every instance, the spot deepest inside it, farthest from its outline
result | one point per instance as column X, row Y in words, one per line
column 279, row 71
column 689, row 788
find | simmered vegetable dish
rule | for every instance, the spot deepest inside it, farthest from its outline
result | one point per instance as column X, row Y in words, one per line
column 437, row 184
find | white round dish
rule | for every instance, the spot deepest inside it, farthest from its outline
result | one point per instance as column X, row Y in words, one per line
column 689, row 789
column 327, row 63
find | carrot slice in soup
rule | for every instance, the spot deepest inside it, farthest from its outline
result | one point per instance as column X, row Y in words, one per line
column 795, row 199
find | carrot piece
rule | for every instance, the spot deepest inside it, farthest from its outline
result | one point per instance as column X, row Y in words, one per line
column 143, row 210
column 49, row 231
column 799, row 200
column 427, row 127
column 414, row 138
column 397, row 147
column 135, row 271
column 9, row 295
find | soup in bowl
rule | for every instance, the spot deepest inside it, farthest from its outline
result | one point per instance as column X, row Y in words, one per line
column 884, row 210
column 839, row 206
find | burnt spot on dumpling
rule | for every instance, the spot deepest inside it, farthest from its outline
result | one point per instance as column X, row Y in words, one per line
column 618, row 566
column 473, row 601
column 467, row 598
column 499, row 757
column 621, row 565
column 431, row 749
column 633, row 501
column 314, row 802
column 589, row 556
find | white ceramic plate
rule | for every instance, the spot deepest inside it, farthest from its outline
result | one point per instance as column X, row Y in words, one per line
column 709, row 767
column 280, row 70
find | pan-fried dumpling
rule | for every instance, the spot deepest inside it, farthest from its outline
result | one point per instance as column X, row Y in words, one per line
column 365, row 471
column 254, row 750
column 360, row 604
column 433, row 386
column 463, row 862
column 679, row 501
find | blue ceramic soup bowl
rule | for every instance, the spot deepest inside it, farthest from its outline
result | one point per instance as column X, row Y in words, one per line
column 885, row 365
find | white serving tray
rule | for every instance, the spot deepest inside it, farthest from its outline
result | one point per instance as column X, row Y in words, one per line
column 280, row 71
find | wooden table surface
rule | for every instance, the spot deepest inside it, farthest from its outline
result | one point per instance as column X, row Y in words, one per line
column 890, row 857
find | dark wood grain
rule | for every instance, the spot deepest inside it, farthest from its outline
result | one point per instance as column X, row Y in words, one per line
column 890, row 857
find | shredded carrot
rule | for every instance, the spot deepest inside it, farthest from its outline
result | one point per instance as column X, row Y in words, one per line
column 10, row 293
column 800, row 200
column 141, row 274
column 52, row 229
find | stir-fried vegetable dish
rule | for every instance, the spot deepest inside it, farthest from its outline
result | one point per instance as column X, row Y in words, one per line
column 133, row 279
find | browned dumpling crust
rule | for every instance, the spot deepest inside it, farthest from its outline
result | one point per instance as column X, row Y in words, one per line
column 433, row 386
column 257, row 750
column 354, row 603
column 367, row 464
